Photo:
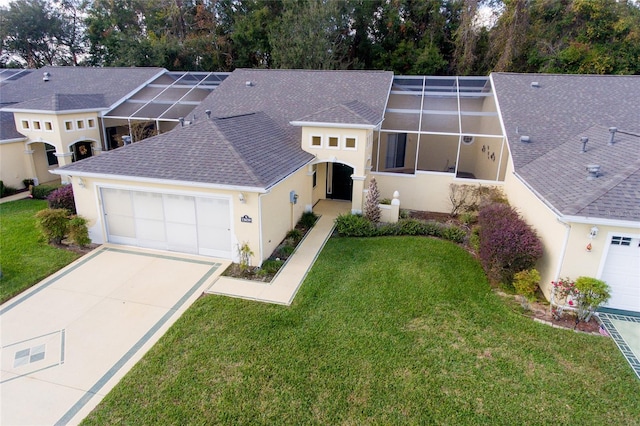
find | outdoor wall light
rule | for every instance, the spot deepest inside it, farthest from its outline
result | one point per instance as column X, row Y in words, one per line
column 80, row 182
column 594, row 232
column 241, row 197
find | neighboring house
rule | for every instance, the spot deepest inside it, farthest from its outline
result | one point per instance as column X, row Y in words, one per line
column 58, row 115
column 267, row 145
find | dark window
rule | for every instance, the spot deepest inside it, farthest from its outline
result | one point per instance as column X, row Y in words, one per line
column 396, row 149
column 52, row 160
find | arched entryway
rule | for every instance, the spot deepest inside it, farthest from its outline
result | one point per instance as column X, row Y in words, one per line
column 82, row 150
column 339, row 181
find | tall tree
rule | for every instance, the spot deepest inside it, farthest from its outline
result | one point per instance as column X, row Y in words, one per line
column 31, row 32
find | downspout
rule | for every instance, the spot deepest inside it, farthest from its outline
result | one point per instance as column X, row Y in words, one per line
column 260, row 240
column 567, row 228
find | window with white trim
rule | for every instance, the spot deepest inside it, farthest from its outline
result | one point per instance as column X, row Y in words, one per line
column 333, row 142
column 350, row 143
column 91, row 123
column 36, row 125
column 48, row 126
column 25, row 124
column 79, row 124
column 620, row 241
column 396, row 150
column 316, row 141
column 68, row 125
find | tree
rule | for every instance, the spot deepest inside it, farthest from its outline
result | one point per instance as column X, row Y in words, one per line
column 31, row 32
column 371, row 207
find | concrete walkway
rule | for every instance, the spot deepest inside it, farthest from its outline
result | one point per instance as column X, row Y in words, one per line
column 283, row 288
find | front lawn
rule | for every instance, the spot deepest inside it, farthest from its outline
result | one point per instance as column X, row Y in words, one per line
column 394, row 330
column 24, row 259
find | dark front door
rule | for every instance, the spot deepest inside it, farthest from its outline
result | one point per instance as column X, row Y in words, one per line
column 82, row 150
column 341, row 182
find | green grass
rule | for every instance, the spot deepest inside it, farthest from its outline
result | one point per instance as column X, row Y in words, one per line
column 24, row 259
column 398, row 330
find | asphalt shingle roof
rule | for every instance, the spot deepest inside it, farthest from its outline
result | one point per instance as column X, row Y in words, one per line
column 556, row 115
column 247, row 150
column 249, row 141
column 64, row 102
column 8, row 127
column 113, row 83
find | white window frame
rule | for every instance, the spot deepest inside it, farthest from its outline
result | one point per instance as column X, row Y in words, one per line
column 80, row 124
column 36, row 125
column 355, row 146
column 48, row 124
column 25, row 124
column 311, row 137
column 91, row 123
column 68, row 126
column 329, row 137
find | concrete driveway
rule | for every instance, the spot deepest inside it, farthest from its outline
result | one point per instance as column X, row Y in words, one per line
column 68, row 340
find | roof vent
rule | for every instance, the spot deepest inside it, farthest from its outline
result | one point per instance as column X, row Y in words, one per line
column 45, row 76
column 126, row 140
column 535, row 84
column 248, row 83
column 613, row 131
column 208, row 112
column 594, row 171
column 525, row 139
column 584, row 141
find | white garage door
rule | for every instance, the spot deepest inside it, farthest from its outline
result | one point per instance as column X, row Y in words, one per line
column 622, row 272
column 198, row 225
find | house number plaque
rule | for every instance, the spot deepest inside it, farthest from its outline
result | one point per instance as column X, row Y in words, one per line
column 245, row 219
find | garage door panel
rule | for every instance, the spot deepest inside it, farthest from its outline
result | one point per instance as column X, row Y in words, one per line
column 168, row 221
column 622, row 273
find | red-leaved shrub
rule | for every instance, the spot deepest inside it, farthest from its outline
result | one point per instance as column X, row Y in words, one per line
column 507, row 243
column 62, row 198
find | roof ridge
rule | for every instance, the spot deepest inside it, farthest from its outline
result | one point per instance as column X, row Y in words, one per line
column 234, row 151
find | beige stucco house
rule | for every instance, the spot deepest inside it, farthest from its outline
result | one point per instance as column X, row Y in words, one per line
column 267, row 145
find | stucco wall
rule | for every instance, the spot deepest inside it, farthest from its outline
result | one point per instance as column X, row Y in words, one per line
column 12, row 164
column 356, row 158
column 280, row 216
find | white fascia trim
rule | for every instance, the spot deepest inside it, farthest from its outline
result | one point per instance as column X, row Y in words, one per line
column 7, row 141
column 160, row 181
column 51, row 112
column 333, row 125
column 601, row 221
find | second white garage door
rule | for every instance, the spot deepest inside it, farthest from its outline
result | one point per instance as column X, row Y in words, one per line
column 622, row 272
column 199, row 225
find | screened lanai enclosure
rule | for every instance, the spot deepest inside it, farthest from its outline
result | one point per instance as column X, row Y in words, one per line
column 446, row 125
column 159, row 106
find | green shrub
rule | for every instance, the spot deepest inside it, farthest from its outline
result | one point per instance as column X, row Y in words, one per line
column 78, row 231
column 388, row 229
column 404, row 214
column 468, row 218
column 285, row 251
column 433, row 229
column 453, row 233
column 6, row 190
column 308, row 219
column 295, row 235
column 53, row 224
column 27, row 182
column 526, row 282
column 411, row 227
column 271, row 266
column 591, row 293
column 41, row 192
column 354, row 225
column 385, row 201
